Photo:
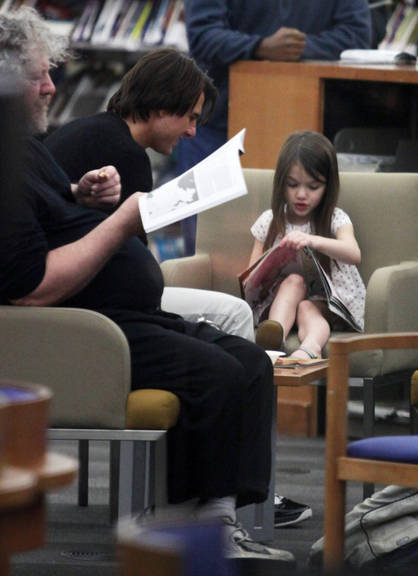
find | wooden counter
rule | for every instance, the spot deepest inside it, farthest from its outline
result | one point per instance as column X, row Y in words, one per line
column 272, row 99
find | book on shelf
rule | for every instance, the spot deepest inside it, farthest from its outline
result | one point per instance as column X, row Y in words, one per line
column 401, row 30
column 175, row 33
column 170, row 13
column 106, row 21
column 154, row 32
column 138, row 28
column 127, row 22
column 118, row 19
column 130, row 20
column 213, row 181
column 83, row 29
column 263, row 279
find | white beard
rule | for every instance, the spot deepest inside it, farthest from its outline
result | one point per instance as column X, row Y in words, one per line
column 38, row 117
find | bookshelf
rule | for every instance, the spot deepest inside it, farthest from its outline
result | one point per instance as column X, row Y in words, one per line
column 107, row 38
column 130, row 25
column 402, row 28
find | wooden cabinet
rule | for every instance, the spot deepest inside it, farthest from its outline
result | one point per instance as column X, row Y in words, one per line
column 273, row 99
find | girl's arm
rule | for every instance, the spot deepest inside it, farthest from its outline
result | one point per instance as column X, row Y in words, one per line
column 344, row 247
column 257, row 252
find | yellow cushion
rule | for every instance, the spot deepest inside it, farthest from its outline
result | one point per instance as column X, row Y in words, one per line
column 152, row 410
column 414, row 389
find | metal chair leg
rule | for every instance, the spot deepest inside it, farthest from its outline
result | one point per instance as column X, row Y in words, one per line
column 114, row 479
column 369, row 403
column 83, row 473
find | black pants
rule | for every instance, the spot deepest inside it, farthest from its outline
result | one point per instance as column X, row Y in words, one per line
column 222, row 443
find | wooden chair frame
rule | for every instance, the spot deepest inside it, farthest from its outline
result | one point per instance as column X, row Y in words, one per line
column 339, row 467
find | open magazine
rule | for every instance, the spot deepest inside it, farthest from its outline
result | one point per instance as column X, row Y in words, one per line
column 215, row 180
column 290, row 362
column 262, row 279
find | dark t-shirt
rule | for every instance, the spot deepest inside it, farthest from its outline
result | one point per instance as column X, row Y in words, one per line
column 40, row 215
column 100, row 140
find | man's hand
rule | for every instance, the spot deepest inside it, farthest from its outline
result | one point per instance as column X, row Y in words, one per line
column 98, row 188
column 284, row 44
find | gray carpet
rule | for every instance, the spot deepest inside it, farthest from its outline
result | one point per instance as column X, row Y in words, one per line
column 80, row 541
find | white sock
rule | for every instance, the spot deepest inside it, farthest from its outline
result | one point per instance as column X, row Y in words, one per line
column 218, row 508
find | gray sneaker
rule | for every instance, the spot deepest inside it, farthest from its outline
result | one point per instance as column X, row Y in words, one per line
column 239, row 545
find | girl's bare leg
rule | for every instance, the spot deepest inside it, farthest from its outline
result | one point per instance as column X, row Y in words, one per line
column 313, row 329
column 285, row 304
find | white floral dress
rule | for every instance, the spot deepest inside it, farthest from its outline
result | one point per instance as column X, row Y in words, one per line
column 345, row 277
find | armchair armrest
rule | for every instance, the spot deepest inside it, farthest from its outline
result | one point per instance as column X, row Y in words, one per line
column 392, row 306
column 391, row 299
column 190, row 272
column 82, row 356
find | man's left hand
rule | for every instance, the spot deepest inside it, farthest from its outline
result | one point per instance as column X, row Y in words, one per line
column 98, row 188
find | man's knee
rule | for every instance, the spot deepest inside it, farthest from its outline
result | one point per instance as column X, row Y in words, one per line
column 229, row 313
column 241, row 319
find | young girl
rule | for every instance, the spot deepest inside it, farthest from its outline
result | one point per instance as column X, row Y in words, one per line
column 304, row 213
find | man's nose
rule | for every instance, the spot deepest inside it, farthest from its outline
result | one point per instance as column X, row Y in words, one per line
column 48, row 87
column 191, row 130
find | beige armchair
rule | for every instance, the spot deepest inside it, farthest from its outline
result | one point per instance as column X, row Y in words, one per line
column 384, row 211
column 83, row 357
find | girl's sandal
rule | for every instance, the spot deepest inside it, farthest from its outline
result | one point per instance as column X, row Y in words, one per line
column 308, row 352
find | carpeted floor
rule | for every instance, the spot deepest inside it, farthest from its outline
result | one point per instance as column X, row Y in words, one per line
column 81, row 542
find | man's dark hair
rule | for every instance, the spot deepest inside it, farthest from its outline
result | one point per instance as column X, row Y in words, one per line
column 164, row 79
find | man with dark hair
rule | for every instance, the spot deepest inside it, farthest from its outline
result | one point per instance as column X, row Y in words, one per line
column 56, row 251
column 164, row 79
column 163, row 84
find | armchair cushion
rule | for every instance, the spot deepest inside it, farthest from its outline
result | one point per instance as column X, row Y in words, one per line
column 152, row 410
column 391, row 448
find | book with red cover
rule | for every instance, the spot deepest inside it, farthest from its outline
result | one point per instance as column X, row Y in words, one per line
column 264, row 277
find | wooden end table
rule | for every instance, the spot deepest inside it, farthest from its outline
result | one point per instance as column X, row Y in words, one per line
column 288, row 381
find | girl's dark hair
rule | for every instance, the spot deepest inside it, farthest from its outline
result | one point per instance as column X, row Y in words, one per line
column 315, row 153
column 164, row 79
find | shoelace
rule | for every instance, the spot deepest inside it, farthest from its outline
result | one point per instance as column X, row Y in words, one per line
column 239, row 535
column 278, row 499
column 242, row 539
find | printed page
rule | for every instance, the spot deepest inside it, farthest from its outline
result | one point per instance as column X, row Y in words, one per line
column 215, row 180
column 335, row 304
column 266, row 274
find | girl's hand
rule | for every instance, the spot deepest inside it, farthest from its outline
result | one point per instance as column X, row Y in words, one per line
column 99, row 188
column 297, row 240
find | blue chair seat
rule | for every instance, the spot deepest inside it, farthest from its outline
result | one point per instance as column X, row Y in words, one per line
column 389, row 448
